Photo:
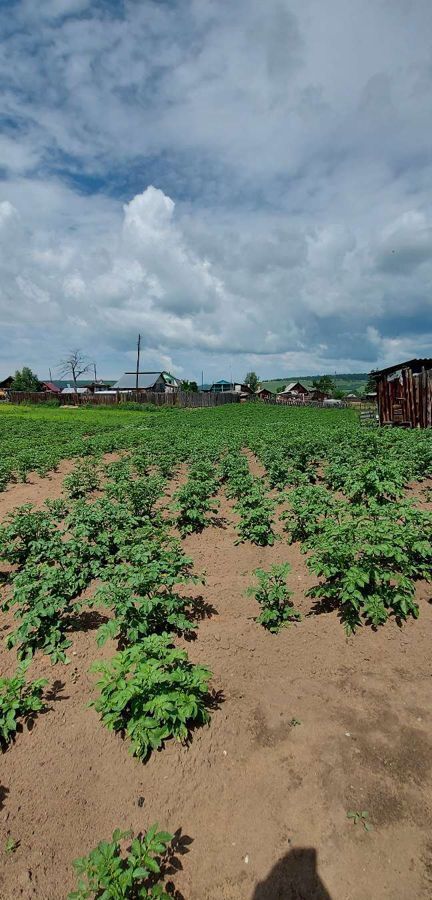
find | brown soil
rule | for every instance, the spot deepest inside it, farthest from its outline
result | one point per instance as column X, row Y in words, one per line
column 263, row 800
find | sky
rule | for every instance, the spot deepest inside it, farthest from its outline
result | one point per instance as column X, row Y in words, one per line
column 246, row 184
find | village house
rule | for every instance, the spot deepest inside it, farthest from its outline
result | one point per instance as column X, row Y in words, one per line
column 318, row 395
column 293, row 391
column 50, row 387
column 162, row 382
column 264, row 394
column 227, row 387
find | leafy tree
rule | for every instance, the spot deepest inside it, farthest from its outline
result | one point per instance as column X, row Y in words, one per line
column 25, row 380
column 74, row 365
column 325, row 384
column 189, row 386
column 252, row 381
column 371, row 383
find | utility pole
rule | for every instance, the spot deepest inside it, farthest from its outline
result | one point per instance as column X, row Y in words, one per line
column 202, row 378
column 95, row 374
column 49, row 370
column 138, row 362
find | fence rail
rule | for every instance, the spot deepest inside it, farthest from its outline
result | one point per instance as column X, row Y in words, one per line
column 178, row 398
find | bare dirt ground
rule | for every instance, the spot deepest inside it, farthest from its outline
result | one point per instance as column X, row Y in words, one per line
column 261, row 801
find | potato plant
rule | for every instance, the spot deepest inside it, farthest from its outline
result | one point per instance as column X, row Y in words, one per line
column 20, row 701
column 113, row 874
column 369, row 563
column 150, row 692
column 252, row 505
column 82, row 481
column 195, row 500
column 273, row 596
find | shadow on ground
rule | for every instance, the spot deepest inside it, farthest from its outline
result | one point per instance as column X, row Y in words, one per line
column 294, row 877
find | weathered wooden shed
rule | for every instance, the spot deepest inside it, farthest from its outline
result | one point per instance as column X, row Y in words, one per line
column 404, row 394
column 264, row 394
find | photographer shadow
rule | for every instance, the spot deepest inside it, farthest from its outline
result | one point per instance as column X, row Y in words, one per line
column 294, row 877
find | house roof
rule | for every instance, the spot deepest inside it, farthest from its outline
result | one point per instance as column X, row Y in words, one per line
column 86, row 382
column 415, row 364
column 222, row 381
column 71, row 390
column 129, row 382
column 170, row 379
column 146, row 380
column 290, row 387
column 6, row 381
column 50, row 386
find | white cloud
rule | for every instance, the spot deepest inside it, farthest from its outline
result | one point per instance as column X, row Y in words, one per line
column 290, row 226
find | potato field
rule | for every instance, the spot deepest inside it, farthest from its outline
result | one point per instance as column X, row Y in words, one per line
column 215, row 661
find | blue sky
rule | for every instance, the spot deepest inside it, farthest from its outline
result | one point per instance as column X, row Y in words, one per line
column 248, row 185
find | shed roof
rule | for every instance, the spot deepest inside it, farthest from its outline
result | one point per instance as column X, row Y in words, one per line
column 50, row 386
column 128, row 382
column 71, row 390
column 81, row 382
column 415, row 364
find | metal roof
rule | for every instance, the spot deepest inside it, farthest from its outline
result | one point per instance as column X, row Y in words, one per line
column 146, row 380
column 71, row 390
column 170, row 379
column 416, row 364
column 128, row 382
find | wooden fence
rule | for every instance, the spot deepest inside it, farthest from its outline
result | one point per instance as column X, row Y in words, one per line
column 178, row 398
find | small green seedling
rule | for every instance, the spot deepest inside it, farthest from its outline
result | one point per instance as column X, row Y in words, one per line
column 11, row 845
column 295, row 722
column 362, row 817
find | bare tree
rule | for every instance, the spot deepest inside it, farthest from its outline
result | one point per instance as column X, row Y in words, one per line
column 74, row 365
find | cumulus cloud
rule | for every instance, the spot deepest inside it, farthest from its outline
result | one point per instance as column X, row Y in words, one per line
column 248, row 186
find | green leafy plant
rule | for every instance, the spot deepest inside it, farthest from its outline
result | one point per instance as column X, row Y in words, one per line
column 44, row 596
column 370, row 562
column 137, row 617
column 29, row 532
column 19, row 702
column 11, row 845
column 140, row 494
column 111, row 874
column 273, row 596
column 308, row 508
column 360, row 817
column 252, row 505
column 195, row 500
column 82, row 481
column 151, row 692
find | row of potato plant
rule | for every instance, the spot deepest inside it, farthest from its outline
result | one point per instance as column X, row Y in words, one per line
column 367, row 555
column 121, row 540
column 252, row 504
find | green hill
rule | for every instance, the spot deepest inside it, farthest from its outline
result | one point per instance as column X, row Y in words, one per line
column 351, row 383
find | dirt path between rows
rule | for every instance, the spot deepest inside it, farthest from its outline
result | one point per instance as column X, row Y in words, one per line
column 262, row 800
